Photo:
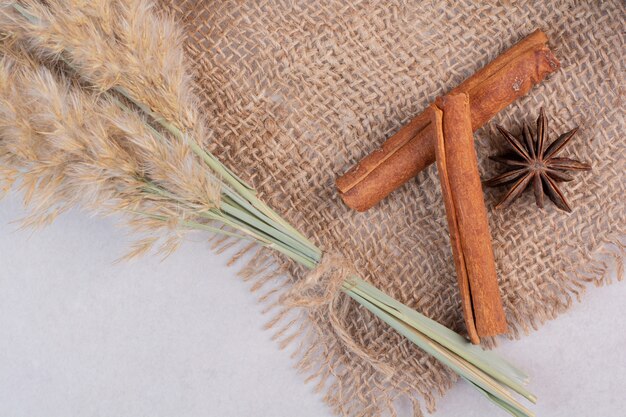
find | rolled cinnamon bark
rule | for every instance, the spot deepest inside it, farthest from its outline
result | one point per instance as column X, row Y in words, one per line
column 412, row 148
column 470, row 238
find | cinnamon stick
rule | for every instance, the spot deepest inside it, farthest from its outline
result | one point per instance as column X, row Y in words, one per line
column 412, row 148
column 470, row 238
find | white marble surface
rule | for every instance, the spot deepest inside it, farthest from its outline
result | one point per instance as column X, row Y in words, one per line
column 82, row 336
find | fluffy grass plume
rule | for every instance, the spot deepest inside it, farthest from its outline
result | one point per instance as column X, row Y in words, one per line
column 70, row 148
column 119, row 44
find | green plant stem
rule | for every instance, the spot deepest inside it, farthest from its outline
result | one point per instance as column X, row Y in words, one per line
column 473, row 364
column 242, row 221
column 458, row 365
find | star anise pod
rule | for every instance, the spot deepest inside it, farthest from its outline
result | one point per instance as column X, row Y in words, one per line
column 532, row 161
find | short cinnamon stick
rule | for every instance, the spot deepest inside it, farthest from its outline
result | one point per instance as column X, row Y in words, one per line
column 412, row 148
column 470, row 238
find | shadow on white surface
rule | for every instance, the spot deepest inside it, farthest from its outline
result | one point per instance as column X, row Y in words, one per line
column 82, row 336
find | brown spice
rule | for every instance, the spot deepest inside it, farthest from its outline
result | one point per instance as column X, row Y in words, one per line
column 532, row 160
column 470, row 238
column 412, row 148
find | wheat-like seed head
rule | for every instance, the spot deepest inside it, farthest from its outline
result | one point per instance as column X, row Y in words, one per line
column 65, row 147
column 112, row 43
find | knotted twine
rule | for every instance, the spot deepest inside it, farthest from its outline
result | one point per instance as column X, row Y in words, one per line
column 320, row 290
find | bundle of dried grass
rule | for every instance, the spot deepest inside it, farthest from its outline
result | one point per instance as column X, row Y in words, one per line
column 96, row 110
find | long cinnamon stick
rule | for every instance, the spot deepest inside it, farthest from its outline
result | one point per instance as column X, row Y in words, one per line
column 412, row 148
column 470, row 238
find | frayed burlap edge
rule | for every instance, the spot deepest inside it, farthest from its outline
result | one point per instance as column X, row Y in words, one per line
column 318, row 351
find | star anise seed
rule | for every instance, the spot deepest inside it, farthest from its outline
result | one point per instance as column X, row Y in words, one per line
column 531, row 161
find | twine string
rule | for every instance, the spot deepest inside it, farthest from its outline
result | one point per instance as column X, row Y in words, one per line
column 320, row 290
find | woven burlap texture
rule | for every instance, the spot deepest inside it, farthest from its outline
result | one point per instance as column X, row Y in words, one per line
column 297, row 92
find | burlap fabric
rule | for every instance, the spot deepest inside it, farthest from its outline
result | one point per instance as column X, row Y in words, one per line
column 297, row 92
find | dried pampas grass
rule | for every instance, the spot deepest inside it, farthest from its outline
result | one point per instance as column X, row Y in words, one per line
column 70, row 148
column 97, row 111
